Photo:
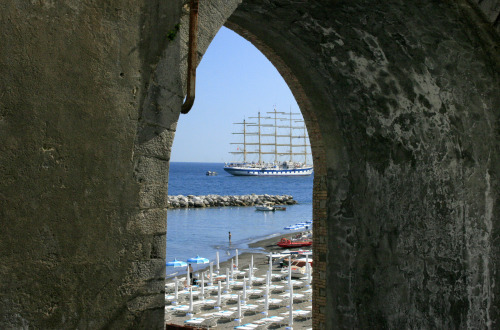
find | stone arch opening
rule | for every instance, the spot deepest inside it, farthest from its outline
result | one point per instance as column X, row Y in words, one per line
column 297, row 91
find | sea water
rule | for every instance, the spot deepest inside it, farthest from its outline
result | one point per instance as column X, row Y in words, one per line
column 204, row 231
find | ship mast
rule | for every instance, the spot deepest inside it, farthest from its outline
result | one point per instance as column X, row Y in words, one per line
column 275, row 133
column 291, row 136
column 304, row 136
column 259, row 134
column 260, row 145
column 244, row 133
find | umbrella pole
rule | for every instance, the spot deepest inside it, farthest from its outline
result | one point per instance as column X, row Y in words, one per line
column 190, row 311
column 271, row 265
column 217, row 258
column 210, row 282
column 219, row 294
column 203, row 286
column 290, row 271
column 232, row 270
column 236, row 258
column 239, row 311
column 266, row 306
column 244, row 290
column 250, row 275
column 308, row 270
column 251, row 262
column 290, row 316
column 176, row 294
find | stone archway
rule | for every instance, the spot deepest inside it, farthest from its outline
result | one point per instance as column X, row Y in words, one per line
column 401, row 101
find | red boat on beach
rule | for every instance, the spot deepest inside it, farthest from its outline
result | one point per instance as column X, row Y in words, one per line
column 286, row 243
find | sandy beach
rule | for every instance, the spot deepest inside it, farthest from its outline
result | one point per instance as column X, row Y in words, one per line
column 262, row 266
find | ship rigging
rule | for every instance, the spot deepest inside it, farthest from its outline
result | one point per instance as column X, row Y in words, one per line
column 253, row 134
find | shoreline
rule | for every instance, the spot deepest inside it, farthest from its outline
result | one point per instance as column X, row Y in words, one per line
column 266, row 244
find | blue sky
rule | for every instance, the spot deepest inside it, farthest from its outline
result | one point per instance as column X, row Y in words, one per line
column 234, row 80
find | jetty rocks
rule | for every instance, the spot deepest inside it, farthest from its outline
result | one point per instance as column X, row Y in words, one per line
column 175, row 202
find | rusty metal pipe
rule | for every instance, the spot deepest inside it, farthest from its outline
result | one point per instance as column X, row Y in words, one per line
column 192, row 57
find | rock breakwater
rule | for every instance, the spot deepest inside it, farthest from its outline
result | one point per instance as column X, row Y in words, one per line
column 191, row 201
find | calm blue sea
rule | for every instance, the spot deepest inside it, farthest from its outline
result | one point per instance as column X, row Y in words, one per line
column 192, row 232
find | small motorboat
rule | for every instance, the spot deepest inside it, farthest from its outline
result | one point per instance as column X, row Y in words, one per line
column 297, row 226
column 264, row 208
column 211, row 173
column 286, row 243
column 280, row 208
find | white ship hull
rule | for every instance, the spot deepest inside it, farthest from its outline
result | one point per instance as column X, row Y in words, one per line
column 257, row 171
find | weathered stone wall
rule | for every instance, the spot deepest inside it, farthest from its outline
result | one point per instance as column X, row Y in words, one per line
column 401, row 102
column 78, row 249
column 412, row 92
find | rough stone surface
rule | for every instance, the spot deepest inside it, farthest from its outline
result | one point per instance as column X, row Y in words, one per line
column 412, row 212
column 401, row 103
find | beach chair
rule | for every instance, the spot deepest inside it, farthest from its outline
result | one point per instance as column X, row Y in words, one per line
column 303, row 314
column 237, row 285
column 278, row 277
column 255, row 292
column 228, row 297
column 225, row 315
column 248, row 326
column 195, row 321
column 184, row 309
column 269, row 320
column 297, row 297
column 299, row 314
column 277, row 288
column 257, row 281
column 201, row 322
column 296, row 284
column 246, row 309
column 273, row 302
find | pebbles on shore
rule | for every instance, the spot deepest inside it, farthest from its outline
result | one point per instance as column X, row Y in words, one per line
column 191, row 201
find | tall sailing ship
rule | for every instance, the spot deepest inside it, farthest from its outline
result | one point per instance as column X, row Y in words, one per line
column 283, row 139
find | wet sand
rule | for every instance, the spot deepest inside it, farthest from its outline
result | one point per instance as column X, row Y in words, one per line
column 262, row 265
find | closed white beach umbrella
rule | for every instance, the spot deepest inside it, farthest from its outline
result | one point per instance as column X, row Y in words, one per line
column 239, row 310
column 217, row 260
column 290, row 316
column 219, row 295
column 236, row 258
column 270, row 264
column 251, row 263
column 190, row 300
column 250, row 275
column 232, row 270
column 227, row 279
column 308, row 271
column 202, row 286
column 290, row 272
column 244, row 289
column 210, row 282
column 266, row 303
column 176, row 292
